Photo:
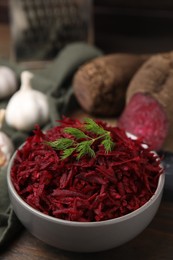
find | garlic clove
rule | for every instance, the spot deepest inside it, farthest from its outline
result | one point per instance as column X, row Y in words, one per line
column 27, row 107
column 8, row 82
column 6, row 145
column 6, row 149
column 2, row 116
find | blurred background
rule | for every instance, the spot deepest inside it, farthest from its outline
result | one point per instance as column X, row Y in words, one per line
column 38, row 29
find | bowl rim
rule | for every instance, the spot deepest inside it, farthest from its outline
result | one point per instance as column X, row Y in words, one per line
column 38, row 213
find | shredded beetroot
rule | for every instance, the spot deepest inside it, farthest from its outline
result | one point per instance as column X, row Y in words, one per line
column 106, row 186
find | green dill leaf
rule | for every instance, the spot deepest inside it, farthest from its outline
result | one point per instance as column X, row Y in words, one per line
column 75, row 132
column 92, row 126
column 61, row 144
column 108, row 145
column 67, row 152
column 84, row 145
column 84, row 148
column 89, row 152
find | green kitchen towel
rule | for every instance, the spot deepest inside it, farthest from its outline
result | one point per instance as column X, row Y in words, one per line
column 56, row 82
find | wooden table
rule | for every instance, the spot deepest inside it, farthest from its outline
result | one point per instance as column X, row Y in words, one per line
column 155, row 242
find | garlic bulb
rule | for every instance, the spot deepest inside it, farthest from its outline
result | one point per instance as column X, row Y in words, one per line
column 27, row 106
column 6, row 145
column 8, row 82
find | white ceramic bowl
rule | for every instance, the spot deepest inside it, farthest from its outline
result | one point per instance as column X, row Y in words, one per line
column 84, row 236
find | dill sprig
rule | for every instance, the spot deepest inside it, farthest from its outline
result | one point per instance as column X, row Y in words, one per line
column 80, row 142
column 61, row 144
column 78, row 134
column 92, row 126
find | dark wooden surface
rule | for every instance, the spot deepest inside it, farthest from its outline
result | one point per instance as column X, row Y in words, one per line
column 155, row 243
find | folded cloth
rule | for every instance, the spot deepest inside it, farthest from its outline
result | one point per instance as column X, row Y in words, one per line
column 56, row 82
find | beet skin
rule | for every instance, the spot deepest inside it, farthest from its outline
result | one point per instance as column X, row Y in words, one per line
column 145, row 117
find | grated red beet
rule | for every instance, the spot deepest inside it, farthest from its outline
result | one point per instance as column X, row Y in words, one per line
column 106, row 186
column 145, row 118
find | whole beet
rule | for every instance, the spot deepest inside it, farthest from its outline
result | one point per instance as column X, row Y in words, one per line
column 100, row 86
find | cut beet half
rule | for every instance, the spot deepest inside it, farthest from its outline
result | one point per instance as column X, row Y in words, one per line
column 144, row 117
